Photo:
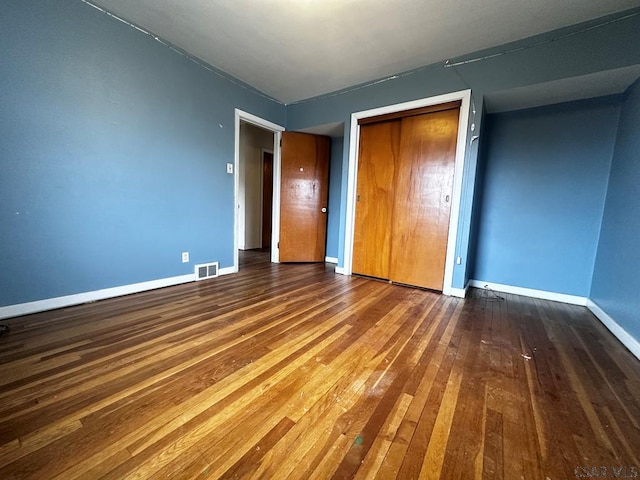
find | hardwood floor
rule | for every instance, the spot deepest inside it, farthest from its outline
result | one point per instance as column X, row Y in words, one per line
column 291, row 371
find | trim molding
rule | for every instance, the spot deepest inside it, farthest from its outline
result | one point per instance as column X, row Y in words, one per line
column 331, row 259
column 227, row 271
column 78, row 298
column 459, row 292
column 530, row 292
column 341, row 271
column 620, row 333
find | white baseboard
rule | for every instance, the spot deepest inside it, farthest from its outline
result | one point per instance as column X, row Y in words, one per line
column 620, row 333
column 227, row 271
column 459, row 292
column 341, row 270
column 78, row 298
column 331, row 259
column 530, row 292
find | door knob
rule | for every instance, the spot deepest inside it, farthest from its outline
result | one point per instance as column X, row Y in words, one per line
column 324, row 210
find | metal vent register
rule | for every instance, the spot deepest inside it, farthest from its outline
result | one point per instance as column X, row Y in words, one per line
column 206, row 270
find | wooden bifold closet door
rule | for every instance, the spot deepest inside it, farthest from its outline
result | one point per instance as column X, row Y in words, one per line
column 379, row 151
column 403, row 204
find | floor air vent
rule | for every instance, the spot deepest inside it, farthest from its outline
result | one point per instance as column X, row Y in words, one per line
column 206, row 270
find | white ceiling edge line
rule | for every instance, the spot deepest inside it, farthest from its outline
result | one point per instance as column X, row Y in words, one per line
column 448, row 64
column 461, row 147
column 360, row 86
column 242, row 116
column 187, row 55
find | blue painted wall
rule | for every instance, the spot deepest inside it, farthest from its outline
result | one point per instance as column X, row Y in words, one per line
column 595, row 46
column 616, row 279
column 335, row 181
column 113, row 147
column 545, row 180
column 112, row 153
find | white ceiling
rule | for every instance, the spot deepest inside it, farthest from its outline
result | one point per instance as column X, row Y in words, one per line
column 297, row 49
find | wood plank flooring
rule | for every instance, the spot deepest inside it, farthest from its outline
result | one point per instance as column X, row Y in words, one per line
column 293, row 372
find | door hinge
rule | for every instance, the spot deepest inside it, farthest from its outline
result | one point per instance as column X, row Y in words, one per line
column 281, row 141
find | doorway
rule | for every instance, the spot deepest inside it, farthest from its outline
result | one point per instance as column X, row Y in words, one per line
column 255, row 137
column 464, row 97
column 404, row 187
column 254, row 142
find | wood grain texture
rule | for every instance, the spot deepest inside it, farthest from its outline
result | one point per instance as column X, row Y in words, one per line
column 290, row 371
column 377, row 160
column 409, row 113
column 303, row 194
column 422, row 204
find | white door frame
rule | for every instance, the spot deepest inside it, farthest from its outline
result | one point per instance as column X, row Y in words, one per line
column 277, row 130
column 465, row 97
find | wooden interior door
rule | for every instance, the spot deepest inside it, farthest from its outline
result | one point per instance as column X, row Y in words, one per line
column 303, row 197
column 422, row 204
column 267, row 198
column 377, row 161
